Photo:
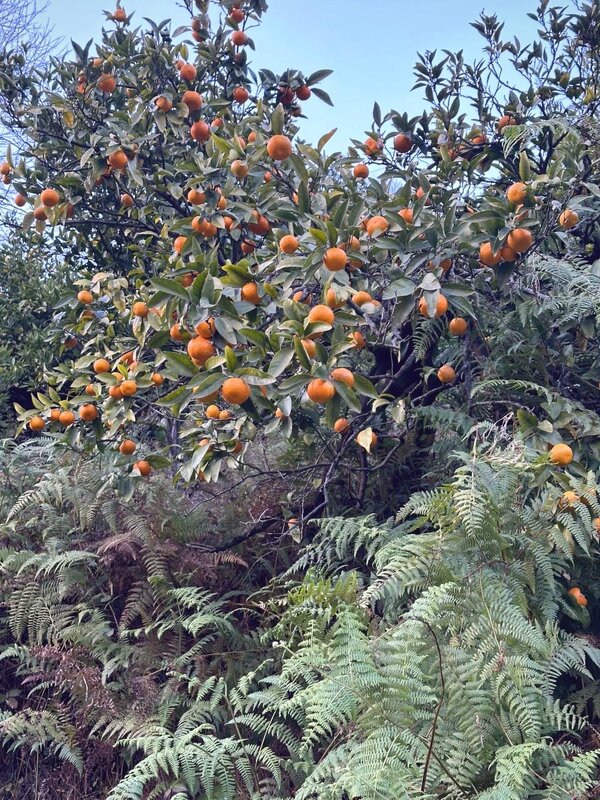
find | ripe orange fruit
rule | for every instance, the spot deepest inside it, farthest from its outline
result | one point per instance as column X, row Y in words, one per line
column 200, row 131
column 361, row 171
column 50, row 198
column 335, row 259
column 196, row 197
column 260, row 224
column 248, row 247
column 268, row 177
column 321, row 313
column 516, row 193
column 508, row 254
column 567, row 499
column 127, row 447
column 279, row 147
column 578, row 596
column 176, row 332
column 303, row 92
column 371, row 146
column 204, row 227
column 101, row 365
column 126, row 200
column 222, row 203
column 66, row 418
column 376, row 225
column 143, row 467
column 402, row 143
column 85, row 297
column 54, row 414
column 239, row 38
column 407, row 215
column 5, row 168
column 107, row 83
column 332, row 300
column 20, row 200
column 163, row 104
column 519, row 240
column 239, row 169
column 119, row 15
column 309, row 347
column 188, row 279
column 358, row 340
column 187, row 72
column 250, row 293
column 288, row 244
column 36, row 424
column 446, row 374
column 118, row 160
column 360, row 298
column 568, row 219
column 440, row 309
column 90, row 390
column 200, row 349
column 88, row 412
column 205, row 328
column 213, row 412
column 139, row 309
column 115, row 392
column 40, row 213
column 179, row 244
column 320, row 391
column 240, row 94
column 128, row 388
column 487, row 255
column 561, row 454
column 192, row 100
column 224, row 415
column 504, row 121
column 235, row 391
column 341, row 425
column 343, row 375
column 458, row 326
column 157, row 378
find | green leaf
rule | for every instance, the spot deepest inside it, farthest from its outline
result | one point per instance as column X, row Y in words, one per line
column 206, row 382
column 281, row 360
column 293, row 383
column 348, row 395
column 170, row 287
column 299, row 167
column 277, row 119
column 364, row 386
column 402, row 287
column 181, row 364
column 301, row 353
column 318, row 76
column 325, row 138
column 230, row 358
column 174, row 398
column 322, row 96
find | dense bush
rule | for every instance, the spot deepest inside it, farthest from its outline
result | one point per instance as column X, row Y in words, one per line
column 368, row 567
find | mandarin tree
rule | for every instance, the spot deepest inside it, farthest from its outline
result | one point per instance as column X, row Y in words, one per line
column 259, row 258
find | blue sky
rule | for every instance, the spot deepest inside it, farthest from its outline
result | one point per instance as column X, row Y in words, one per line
column 371, row 46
